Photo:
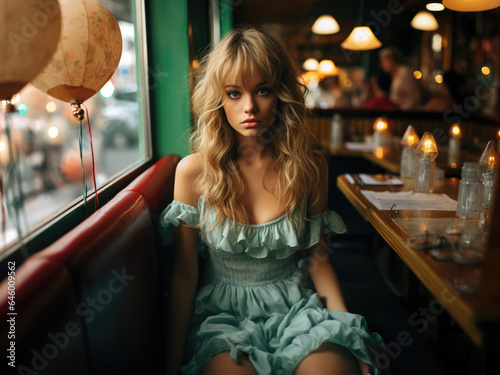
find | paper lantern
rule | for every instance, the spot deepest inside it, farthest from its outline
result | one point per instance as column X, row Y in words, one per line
column 29, row 32
column 87, row 55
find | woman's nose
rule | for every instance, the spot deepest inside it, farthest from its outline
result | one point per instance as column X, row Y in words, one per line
column 250, row 104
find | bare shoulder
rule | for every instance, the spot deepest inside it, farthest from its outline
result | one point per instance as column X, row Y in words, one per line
column 188, row 170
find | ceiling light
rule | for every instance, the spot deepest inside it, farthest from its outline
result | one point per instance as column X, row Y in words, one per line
column 435, row 7
column 325, row 25
column 310, row 64
column 424, row 20
column 327, row 68
column 471, row 5
column 361, row 38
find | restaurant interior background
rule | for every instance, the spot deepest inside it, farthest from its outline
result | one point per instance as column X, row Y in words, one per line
column 50, row 172
column 466, row 42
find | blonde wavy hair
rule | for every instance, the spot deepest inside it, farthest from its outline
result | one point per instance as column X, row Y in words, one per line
column 288, row 139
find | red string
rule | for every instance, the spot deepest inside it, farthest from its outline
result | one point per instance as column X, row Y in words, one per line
column 93, row 163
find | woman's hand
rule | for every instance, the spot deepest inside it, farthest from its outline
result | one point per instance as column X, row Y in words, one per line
column 363, row 367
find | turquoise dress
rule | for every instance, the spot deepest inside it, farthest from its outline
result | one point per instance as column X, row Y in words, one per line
column 256, row 298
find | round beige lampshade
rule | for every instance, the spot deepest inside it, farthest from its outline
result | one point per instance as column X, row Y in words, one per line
column 87, row 55
column 29, row 32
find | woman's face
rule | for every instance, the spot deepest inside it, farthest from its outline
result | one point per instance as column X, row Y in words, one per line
column 250, row 104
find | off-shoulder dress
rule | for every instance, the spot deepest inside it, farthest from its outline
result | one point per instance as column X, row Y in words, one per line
column 256, row 296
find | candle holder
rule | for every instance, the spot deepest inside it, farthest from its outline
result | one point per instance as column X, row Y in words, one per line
column 426, row 152
column 381, row 134
column 455, row 138
column 408, row 143
column 490, row 156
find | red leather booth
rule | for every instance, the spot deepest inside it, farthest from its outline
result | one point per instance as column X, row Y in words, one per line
column 93, row 301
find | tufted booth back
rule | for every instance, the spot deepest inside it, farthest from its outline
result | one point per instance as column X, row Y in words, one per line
column 92, row 302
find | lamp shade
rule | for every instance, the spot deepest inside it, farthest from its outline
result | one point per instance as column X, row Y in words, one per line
column 325, row 25
column 427, row 147
column 327, row 68
column 29, row 32
column 310, row 64
column 471, row 5
column 410, row 138
column 434, row 7
column 361, row 38
column 87, row 55
column 490, row 155
column 424, row 20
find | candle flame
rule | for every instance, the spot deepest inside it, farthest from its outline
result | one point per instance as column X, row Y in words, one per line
column 381, row 125
column 455, row 130
column 427, row 146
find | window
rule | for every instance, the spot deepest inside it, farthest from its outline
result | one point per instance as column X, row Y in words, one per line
column 40, row 159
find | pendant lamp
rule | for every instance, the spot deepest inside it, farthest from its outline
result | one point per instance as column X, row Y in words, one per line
column 471, row 5
column 327, row 68
column 434, row 7
column 361, row 38
column 87, row 55
column 29, row 32
column 310, row 64
column 424, row 20
column 325, row 25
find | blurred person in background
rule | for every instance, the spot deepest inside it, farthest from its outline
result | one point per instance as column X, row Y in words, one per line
column 405, row 92
column 381, row 86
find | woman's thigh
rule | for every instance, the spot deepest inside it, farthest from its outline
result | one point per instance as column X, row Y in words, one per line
column 328, row 359
column 222, row 364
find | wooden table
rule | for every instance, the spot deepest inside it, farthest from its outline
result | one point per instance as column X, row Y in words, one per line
column 441, row 277
column 389, row 158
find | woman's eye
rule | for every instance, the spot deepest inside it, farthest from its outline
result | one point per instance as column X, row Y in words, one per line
column 264, row 91
column 233, row 94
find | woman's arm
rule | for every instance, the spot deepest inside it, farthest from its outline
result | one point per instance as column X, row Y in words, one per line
column 322, row 273
column 184, row 278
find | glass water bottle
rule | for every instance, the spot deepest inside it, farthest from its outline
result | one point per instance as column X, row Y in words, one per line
column 470, row 191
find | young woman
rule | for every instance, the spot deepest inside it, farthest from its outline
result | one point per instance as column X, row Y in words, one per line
column 256, row 193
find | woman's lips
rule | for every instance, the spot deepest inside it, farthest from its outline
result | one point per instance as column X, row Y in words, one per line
column 250, row 123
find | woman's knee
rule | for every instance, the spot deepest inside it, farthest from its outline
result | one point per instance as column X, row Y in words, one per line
column 328, row 359
column 222, row 364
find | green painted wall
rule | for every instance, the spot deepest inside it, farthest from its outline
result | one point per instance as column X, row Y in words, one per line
column 226, row 16
column 168, row 54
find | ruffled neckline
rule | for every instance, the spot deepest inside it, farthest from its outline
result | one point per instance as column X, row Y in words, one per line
column 276, row 237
